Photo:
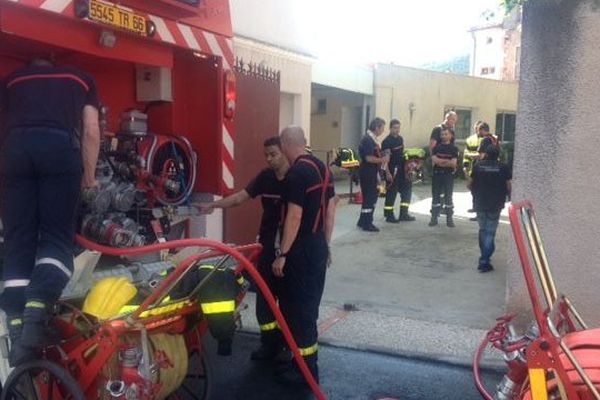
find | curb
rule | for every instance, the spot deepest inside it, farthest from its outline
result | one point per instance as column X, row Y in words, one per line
column 467, row 363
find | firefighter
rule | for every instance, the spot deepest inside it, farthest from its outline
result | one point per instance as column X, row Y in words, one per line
column 444, row 157
column 371, row 162
column 471, row 155
column 268, row 184
column 487, row 139
column 397, row 180
column 450, row 121
column 48, row 156
column 304, row 254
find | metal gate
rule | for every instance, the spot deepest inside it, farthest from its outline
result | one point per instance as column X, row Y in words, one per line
column 257, row 118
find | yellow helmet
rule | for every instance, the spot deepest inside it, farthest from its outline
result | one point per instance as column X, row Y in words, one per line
column 107, row 296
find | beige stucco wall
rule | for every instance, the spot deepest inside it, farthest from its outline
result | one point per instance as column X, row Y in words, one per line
column 396, row 88
column 557, row 129
column 296, row 74
column 327, row 129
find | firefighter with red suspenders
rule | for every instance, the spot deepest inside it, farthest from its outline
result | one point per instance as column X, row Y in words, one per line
column 304, row 254
column 49, row 154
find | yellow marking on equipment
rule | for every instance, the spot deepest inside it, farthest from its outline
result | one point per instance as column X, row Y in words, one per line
column 537, row 379
column 218, row 307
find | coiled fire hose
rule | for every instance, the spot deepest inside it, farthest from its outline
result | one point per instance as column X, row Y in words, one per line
column 244, row 265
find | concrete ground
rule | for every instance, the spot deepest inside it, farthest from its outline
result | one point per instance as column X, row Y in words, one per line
column 411, row 289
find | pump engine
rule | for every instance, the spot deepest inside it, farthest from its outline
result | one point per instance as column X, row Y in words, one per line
column 137, row 171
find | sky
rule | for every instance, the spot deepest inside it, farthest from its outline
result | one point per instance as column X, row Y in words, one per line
column 406, row 32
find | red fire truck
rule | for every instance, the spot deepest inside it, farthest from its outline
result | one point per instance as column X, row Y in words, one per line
column 171, row 59
column 164, row 71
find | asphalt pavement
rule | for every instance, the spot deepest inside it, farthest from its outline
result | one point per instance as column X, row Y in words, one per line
column 345, row 375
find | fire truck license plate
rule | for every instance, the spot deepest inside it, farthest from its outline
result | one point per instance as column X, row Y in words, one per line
column 110, row 14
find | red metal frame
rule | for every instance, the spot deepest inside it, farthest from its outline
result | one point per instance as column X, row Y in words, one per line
column 515, row 224
column 552, row 349
column 244, row 265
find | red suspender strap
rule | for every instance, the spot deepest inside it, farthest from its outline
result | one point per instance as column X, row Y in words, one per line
column 323, row 185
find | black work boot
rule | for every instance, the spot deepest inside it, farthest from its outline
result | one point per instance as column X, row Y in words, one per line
column 404, row 215
column 370, row 228
column 271, row 345
column 362, row 221
column 389, row 216
column 435, row 213
column 15, row 327
column 36, row 334
column 266, row 352
column 293, row 376
column 449, row 220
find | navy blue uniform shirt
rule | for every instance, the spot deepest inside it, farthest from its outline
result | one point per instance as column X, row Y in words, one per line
column 396, row 146
column 271, row 190
column 368, row 147
column 446, row 152
column 46, row 96
column 302, row 188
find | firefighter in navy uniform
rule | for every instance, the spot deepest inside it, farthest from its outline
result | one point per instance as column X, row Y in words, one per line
column 487, row 139
column 304, row 254
column 49, row 153
column 450, row 120
column 397, row 180
column 444, row 157
column 371, row 161
column 269, row 185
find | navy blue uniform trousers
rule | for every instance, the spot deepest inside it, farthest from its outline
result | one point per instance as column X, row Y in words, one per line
column 269, row 330
column 303, row 284
column 41, row 172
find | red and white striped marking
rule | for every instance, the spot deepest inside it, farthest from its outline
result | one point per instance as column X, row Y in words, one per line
column 177, row 34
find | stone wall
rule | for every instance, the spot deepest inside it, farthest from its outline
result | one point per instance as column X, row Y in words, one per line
column 556, row 166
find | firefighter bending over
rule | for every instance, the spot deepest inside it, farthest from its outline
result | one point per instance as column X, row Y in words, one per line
column 268, row 184
column 302, row 261
column 52, row 136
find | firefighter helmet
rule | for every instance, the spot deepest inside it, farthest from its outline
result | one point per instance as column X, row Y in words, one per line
column 107, row 296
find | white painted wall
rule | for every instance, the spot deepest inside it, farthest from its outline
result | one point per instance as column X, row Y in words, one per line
column 286, row 110
column 354, row 78
column 488, row 55
column 296, row 77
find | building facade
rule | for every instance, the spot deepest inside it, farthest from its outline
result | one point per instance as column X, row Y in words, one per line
column 419, row 98
column 496, row 52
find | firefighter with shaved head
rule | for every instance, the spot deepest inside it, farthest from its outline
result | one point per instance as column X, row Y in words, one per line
column 304, row 253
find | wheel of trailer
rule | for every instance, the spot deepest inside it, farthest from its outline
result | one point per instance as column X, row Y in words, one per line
column 199, row 379
column 41, row 380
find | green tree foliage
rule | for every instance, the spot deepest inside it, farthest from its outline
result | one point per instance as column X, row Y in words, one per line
column 510, row 4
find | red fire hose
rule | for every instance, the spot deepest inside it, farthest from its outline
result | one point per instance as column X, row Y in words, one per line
column 477, row 370
column 244, row 265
